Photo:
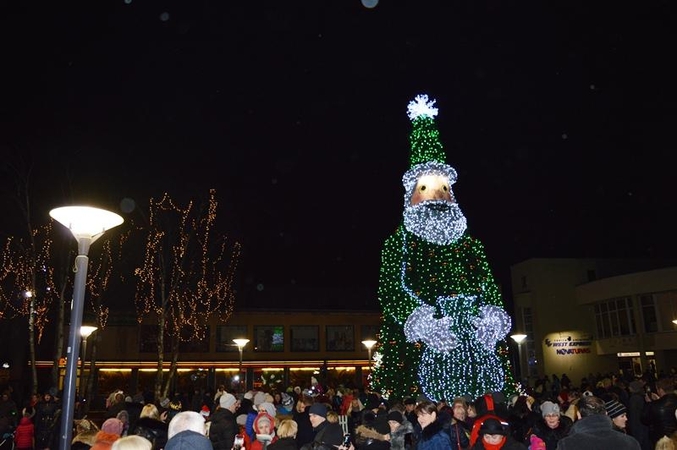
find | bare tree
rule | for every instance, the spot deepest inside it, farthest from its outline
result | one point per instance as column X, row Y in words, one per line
column 186, row 277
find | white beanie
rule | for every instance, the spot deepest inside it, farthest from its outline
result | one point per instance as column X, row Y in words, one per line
column 227, row 400
column 259, row 398
column 269, row 407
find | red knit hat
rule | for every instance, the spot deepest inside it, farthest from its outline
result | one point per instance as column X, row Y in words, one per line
column 205, row 411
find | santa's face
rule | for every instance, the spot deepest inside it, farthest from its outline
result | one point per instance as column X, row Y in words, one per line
column 432, row 213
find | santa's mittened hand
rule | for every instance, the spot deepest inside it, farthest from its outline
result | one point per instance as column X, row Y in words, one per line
column 436, row 333
column 493, row 324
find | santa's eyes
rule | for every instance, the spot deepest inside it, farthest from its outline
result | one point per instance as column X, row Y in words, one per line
column 422, row 188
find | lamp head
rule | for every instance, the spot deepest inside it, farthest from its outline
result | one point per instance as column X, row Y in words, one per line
column 241, row 342
column 86, row 222
column 87, row 330
column 518, row 337
column 369, row 343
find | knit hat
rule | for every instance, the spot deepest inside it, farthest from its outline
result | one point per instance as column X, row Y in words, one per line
column 112, row 426
column 259, row 398
column 269, row 398
column 548, row 407
column 492, row 426
column 396, row 416
column 318, row 409
column 424, row 138
column 287, row 400
column 205, row 412
column 269, row 407
column 188, row 440
column 227, row 400
column 410, row 401
column 614, row 408
column 249, row 395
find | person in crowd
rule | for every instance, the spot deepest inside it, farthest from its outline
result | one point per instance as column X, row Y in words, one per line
column 659, row 413
column 368, row 437
column 109, row 433
column 409, row 410
column 487, row 406
column 189, row 440
column 223, row 429
column 47, row 415
column 617, row 412
column 573, row 396
column 432, row 433
column 522, row 418
column 117, row 405
column 636, row 404
column 186, row 420
column 594, row 430
column 24, row 435
column 264, row 427
column 123, row 416
column 286, row 405
column 286, row 432
column 354, row 413
column 551, row 427
column 152, row 425
column 460, row 429
column 401, row 431
column 9, row 409
column 327, row 435
column 85, row 434
column 493, row 435
column 132, row 443
column 305, row 433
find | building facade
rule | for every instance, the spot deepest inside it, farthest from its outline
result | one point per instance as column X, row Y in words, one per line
column 285, row 348
column 585, row 316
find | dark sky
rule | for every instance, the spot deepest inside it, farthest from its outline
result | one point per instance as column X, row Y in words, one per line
column 558, row 116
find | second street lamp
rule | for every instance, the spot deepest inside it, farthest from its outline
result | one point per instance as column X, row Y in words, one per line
column 369, row 343
column 519, row 339
column 240, row 345
column 85, row 332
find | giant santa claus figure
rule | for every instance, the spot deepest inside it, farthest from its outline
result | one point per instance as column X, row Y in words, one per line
column 443, row 326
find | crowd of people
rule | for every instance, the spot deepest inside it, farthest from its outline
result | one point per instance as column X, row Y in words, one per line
column 605, row 412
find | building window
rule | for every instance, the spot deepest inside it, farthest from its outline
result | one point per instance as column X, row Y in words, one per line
column 340, row 338
column 649, row 315
column 269, row 338
column 225, row 335
column 614, row 318
column 304, row 338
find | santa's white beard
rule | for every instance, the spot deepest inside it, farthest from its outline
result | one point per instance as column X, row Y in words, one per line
column 437, row 221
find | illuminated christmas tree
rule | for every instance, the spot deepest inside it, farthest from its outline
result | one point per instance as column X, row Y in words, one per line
column 443, row 324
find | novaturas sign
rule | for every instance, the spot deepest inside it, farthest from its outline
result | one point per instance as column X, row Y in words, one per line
column 570, row 344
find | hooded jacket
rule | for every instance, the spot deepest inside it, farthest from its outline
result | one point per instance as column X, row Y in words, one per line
column 369, row 438
column 262, row 440
column 24, row 433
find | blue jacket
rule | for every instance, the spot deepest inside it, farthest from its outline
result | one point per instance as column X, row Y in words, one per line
column 434, row 437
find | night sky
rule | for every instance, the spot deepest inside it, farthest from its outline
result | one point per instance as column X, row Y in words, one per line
column 558, row 116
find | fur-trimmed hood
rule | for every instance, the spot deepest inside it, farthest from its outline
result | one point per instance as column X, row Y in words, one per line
column 362, row 432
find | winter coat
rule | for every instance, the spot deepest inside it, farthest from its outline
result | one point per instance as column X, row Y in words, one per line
column 595, row 432
column 24, row 433
column 188, row 439
column 305, row 434
column 47, row 418
column 398, row 438
column 287, row 443
column 549, row 435
column 328, row 436
column 223, row 429
column 659, row 415
column 152, row 429
column 434, row 437
column 369, row 439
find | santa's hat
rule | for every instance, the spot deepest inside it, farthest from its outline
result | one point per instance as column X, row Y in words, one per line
column 427, row 154
column 205, row 412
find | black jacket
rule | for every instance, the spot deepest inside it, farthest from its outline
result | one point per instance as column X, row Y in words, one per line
column 287, row 443
column 223, row 429
column 152, row 429
column 595, row 432
column 659, row 415
column 551, row 436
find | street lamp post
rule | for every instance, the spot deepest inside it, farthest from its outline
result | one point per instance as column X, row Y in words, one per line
column 369, row 343
column 519, row 339
column 240, row 345
column 85, row 332
column 87, row 225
